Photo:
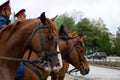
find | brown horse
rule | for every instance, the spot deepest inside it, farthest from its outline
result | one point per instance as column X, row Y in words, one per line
column 72, row 50
column 16, row 38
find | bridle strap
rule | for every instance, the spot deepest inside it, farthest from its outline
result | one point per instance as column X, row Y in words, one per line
column 29, row 54
column 33, row 69
column 37, row 28
column 74, row 45
column 40, row 38
column 72, row 70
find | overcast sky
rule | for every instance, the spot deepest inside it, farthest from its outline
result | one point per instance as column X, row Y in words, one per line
column 108, row 10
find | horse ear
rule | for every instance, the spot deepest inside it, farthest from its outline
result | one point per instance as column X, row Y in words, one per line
column 54, row 18
column 42, row 17
column 61, row 28
column 62, row 31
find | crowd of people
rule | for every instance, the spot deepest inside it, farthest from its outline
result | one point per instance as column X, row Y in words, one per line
column 5, row 12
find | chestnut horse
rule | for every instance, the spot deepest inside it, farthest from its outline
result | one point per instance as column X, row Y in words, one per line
column 72, row 50
column 19, row 36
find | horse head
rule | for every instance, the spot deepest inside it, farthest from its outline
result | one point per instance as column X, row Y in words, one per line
column 73, row 50
column 47, row 38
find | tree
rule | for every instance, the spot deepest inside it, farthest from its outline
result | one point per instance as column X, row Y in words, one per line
column 97, row 33
column 67, row 21
column 118, row 32
column 85, row 27
column 102, row 36
column 117, row 43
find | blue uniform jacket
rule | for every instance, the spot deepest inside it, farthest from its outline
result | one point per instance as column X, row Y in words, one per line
column 20, row 71
column 4, row 20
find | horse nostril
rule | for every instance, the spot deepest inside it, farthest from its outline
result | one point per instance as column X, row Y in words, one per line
column 86, row 71
column 46, row 64
column 57, row 64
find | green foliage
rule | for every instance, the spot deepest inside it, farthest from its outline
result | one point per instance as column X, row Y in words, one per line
column 116, row 46
column 97, row 33
column 67, row 21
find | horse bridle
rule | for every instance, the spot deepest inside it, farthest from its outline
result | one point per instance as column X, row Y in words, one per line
column 66, row 38
column 45, row 55
column 81, row 59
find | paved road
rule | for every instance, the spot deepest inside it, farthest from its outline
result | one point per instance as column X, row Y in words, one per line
column 96, row 73
column 99, row 73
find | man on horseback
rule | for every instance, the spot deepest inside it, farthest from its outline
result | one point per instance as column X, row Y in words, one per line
column 5, row 12
column 20, row 15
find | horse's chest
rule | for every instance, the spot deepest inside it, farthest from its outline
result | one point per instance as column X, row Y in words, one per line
column 4, row 75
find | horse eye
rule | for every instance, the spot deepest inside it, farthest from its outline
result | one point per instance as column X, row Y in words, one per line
column 50, row 38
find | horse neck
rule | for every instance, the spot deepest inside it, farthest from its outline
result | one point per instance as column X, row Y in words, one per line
column 15, row 36
column 13, row 46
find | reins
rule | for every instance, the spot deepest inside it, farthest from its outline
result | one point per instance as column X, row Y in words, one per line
column 16, row 59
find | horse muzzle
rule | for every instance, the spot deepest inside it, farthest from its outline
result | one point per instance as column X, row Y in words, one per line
column 84, row 71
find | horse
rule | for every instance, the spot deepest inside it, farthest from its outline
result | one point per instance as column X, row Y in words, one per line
column 19, row 36
column 72, row 50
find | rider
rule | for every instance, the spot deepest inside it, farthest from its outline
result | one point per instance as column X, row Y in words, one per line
column 5, row 12
column 20, row 15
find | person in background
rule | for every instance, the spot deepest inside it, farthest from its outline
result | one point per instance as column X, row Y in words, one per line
column 5, row 12
column 20, row 15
